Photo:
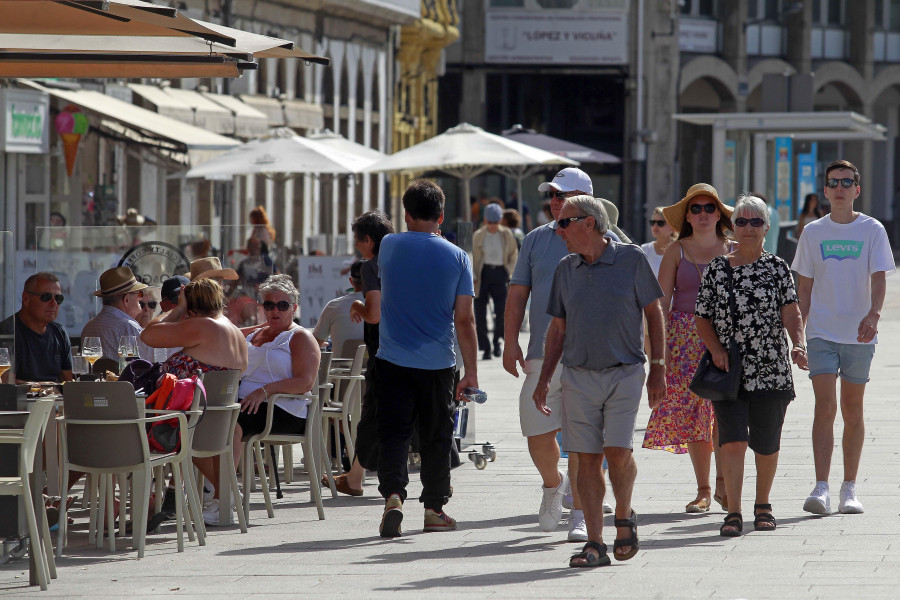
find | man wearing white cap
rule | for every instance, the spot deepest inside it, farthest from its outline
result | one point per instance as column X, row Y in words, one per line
column 541, row 251
column 494, row 252
column 121, row 294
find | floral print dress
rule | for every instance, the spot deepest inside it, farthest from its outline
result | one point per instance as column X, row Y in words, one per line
column 761, row 289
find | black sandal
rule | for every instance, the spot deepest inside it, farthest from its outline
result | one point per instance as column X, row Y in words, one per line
column 732, row 520
column 590, row 560
column 763, row 517
column 631, row 541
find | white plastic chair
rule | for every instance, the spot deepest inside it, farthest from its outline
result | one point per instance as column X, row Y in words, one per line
column 344, row 408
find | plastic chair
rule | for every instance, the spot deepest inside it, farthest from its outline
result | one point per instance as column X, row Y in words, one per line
column 312, row 442
column 27, row 439
column 103, row 434
column 344, row 408
column 214, row 435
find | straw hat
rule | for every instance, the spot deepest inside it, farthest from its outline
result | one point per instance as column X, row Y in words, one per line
column 675, row 214
column 119, row 280
column 204, row 268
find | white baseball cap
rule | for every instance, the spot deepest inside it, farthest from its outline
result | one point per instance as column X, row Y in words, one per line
column 569, row 180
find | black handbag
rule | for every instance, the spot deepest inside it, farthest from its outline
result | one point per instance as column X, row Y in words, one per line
column 710, row 381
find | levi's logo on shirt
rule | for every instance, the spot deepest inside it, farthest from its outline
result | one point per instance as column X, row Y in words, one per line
column 841, row 249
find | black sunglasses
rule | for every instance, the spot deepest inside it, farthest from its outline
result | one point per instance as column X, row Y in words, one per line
column 556, row 194
column 47, row 297
column 696, row 209
column 283, row 305
column 755, row 222
column 846, row 182
column 151, row 304
column 563, row 223
column 660, row 223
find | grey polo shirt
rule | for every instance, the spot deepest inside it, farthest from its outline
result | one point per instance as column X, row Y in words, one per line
column 603, row 305
column 541, row 251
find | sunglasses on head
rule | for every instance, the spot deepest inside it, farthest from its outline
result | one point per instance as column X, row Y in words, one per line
column 846, row 182
column 755, row 222
column 556, row 194
column 47, row 297
column 696, row 209
column 563, row 223
column 151, row 304
column 283, row 305
column 659, row 223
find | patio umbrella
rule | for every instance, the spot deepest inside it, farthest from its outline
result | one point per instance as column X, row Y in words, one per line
column 339, row 142
column 466, row 151
column 280, row 155
column 570, row 150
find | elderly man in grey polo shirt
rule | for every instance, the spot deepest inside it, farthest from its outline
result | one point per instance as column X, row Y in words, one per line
column 599, row 295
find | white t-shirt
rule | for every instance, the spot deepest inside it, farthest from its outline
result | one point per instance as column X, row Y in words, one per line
column 652, row 257
column 493, row 249
column 841, row 258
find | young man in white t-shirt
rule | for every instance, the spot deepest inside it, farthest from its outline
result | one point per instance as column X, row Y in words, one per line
column 842, row 260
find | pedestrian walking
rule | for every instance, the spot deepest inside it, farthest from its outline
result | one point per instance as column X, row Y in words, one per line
column 494, row 253
column 684, row 422
column 748, row 296
column 842, row 260
column 663, row 236
column 598, row 298
column 426, row 297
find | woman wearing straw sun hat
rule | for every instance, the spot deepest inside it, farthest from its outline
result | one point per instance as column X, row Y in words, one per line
column 684, row 422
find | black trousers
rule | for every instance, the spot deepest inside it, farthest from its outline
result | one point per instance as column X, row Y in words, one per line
column 366, row 442
column 494, row 284
column 408, row 398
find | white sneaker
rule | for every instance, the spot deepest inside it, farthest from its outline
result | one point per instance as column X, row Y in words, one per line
column 850, row 504
column 211, row 512
column 819, row 501
column 577, row 527
column 568, row 501
column 207, row 495
column 551, row 505
column 607, row 508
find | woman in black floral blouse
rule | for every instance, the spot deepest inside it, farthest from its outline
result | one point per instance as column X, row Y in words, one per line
column 766, row 304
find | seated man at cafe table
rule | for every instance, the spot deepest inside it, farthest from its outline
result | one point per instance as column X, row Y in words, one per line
column 42, row 348
column 121, row 294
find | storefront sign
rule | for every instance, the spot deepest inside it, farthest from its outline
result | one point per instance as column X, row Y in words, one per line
column 154, row 262
column 783, row 162
column 697, row 35
column 556, row 37
column 24, row 128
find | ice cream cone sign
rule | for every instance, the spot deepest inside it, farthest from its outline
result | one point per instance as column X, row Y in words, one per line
column 71, row 124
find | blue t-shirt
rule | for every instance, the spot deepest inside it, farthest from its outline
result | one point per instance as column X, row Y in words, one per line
column 421, row 276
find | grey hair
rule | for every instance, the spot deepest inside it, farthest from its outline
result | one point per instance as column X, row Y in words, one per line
column 591, row 207
column 753, row 205
column 280, row 283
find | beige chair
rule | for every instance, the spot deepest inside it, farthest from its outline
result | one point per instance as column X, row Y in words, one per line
column 214, row 434
column 312, row 442
column 342, row 411
column 103, row 434
column 27, row 439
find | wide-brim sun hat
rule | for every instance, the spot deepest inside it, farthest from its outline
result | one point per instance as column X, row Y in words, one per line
column 119, row 280
column 675, row 214
column 207, row 268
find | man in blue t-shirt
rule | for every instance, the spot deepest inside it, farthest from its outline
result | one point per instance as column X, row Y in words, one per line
column 426, row 297
column 42, row 348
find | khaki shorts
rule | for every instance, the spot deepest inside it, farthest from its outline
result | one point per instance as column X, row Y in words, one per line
column 600, row 407
column 534, row 422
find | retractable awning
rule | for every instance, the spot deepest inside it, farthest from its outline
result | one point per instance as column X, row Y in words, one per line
column 303, row 115
column 248, row 122
column 268, row 106
column 187, row 106
column 144, row 125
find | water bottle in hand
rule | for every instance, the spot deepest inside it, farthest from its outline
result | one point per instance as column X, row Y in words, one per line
column 460, row 421
column 474, row 395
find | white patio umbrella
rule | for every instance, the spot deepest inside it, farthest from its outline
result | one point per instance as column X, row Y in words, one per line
column 465, row 151
column 339, row 142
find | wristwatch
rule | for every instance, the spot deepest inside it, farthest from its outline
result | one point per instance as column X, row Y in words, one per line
column 658, row 361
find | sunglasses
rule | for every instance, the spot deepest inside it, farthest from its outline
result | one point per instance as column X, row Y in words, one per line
column 47, row 297
column 556, row 194
column 846, row 182
column 696, row 209
column 563, row 223
column 151, row 304
column 660, row 223
column 283, row 305
column 755, row 222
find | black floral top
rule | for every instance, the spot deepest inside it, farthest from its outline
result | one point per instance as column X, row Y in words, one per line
column 761, row 289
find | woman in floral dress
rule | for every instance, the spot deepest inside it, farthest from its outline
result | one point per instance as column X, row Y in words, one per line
column 683, row 422
column 765, row 304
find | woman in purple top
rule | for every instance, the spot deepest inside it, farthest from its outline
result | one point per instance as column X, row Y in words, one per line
column 684, row 422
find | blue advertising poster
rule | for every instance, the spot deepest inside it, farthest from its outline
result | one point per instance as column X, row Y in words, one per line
column 806, row 175
column 783, row 148
column 730, row 191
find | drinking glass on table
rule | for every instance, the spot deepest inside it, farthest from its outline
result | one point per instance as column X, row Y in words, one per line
column 4, row 361
column 79, row 366
column 91, row 349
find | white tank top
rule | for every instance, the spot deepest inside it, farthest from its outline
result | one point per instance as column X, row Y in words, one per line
column 269, row 363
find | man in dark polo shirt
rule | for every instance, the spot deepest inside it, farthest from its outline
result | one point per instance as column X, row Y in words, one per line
column 43, row 350
column 599, row 295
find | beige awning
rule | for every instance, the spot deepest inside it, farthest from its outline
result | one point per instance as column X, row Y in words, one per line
column 303, row 115
column 163, row 102
column 268, row 106
column 188, row 106
column 248, row 122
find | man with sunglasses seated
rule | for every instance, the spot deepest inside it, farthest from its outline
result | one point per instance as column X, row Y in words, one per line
column 42, row 348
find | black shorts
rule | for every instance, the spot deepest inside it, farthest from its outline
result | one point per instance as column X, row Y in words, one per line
column 753, row 418
column 283, row 422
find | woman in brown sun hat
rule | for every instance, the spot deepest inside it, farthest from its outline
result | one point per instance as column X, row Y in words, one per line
column 684, row 422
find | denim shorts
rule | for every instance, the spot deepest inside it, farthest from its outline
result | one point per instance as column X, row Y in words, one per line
column 851, row 362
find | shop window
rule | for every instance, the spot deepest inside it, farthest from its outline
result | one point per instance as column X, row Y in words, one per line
column 507, row 3
column 699, row 8
column 835, row 12
column 895, row 15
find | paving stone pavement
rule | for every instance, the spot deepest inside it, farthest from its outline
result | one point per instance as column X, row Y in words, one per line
column 499, row 551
